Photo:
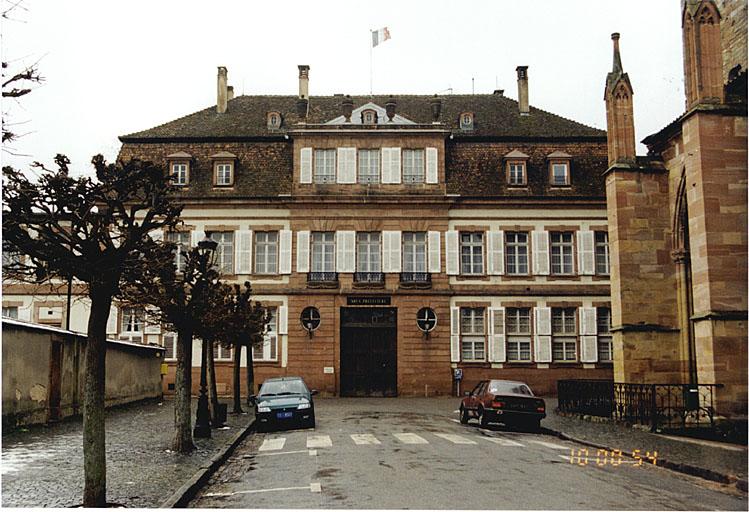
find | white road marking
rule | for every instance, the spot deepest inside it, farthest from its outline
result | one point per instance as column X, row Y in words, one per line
column 501, row 441
column 319, row 442
column 279, row 453
column 313, row 487
column 408, row 438
column 313, row 453
column 456, row 439
column 365, row 439
column 551, row 445
column 272, row 444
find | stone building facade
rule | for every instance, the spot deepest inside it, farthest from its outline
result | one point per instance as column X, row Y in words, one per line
column 364, row 222
column 678, row 218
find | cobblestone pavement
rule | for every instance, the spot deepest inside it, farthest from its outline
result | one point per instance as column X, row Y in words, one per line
column 43, row 466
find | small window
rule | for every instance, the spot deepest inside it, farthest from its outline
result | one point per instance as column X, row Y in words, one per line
column 602, row 253
column 224, row 174
column 224, row 250
column 472, row 253
column 274, row 120
column 413, row 166
column 131, row 324
column 369, row 166
column 268, row 350
column 368, row 252
column 182, row 240
column 170, row 344
column 605, row 345
column 472, row 334
column 516, row 173
column 562, row 248
column 323, row 251
column 10, row 312
column 369, row 117
column 560, row 173
column 266, row 252
column 466, row 121
column 180, row 172
column 518, row 328
column 564, row 334
column 325, row 165
column 516, row 252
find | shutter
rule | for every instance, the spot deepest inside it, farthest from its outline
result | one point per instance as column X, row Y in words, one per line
column 433, row 239
column 345, row 251
column 540, row 241
column 395, row 162
column 543, row 321
column 385, row 256
column 112, row 320
column 542, row 348
column 588, row 349
column 283, row 320
column 586, row 260
column 431, row 172
column 392, row 251
column 305, row 166
column 588, row 321
column 451, row 253
column 302, row 251
column 196, row 235
column 454, row 335
column 346, row 171
column 387, row 165
column 24, row 314
column 153, row 326
column 284, row 265
column 157, row 235
column 243, row 251
column 496, row 252
column 497, row 335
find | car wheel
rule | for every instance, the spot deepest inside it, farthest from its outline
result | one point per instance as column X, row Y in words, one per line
column 463, row 415
column 483, row 419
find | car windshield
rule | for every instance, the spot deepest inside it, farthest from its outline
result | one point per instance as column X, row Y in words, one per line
column 283, row 387
column 510, row 387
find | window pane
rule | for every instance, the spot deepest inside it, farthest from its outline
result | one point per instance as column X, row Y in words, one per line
column 324, row 166
column 413, row 166
column 369, row 166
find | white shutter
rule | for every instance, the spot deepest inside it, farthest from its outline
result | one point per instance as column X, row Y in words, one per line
column 497, row 335
column 451, row 253
column 196, row 235
column 302, row 251
column 496, row 252
column 542, row 345
column 543, row 321
column 588, row 349
column 540, row 241
column 243, row 251
column 157, row 235
column 431, row 157
column 345, row 251
column 153, row 326
column 588, row 338
column 433, row 238
column 542, row 349
column 586, row 259
column 588, row 321
column 112, row 320
column 391, row 251
column 385, row 256
column 283, row 320
column 305, row 166
column 454, row 335
column 386, row 157
column 346, row 165
column 395, row 161
column 284, row 252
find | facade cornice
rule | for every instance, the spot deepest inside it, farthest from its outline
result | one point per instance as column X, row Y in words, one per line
column 673, row 129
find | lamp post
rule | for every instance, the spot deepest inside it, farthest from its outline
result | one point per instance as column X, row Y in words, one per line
column 207, row 251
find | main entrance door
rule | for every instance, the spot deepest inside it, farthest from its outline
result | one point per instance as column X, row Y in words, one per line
column 369, row 352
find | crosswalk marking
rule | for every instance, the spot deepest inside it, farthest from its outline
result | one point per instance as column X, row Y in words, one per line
column 502, row 442
column 319, row 442
column 551, row 445
column 273, row 444
column 408, row 438
column 456, row 439
column 365, row 439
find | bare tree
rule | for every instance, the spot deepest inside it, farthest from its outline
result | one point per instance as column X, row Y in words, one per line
column 96, row 231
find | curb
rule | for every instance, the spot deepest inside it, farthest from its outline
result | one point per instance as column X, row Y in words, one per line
column 189, row 489
column 688, row 469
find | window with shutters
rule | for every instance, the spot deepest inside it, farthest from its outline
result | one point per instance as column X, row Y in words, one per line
column 324, row 166
column 564, row 334
column 369, row 166
column 605, row 343
column 180, row 172
column 516, row 253
column 182, row 240
column 268, row 349
column 516, row 173
column 560, row 173
column 10, row 312
column 224, row 250
column 266, row 252
column 169, row 342
column 223, row 174
column 413, row 166
column 518, row 332
column 602, row 253
column 368, row 252
column 221, row 353
column 561, row 253
column 131, row 324
column 414, row 252
column 471, row 254
column 323, row 251
column 472, row 334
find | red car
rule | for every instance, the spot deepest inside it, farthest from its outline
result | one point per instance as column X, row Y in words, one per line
column 503, row 401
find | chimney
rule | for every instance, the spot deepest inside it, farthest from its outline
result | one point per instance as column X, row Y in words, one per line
column 390, row 108
column 499, row 92
column 347, row 106
column 436, row 105
column 230, row 93
column 221, row 90
column 303, row 82
column 523, row 90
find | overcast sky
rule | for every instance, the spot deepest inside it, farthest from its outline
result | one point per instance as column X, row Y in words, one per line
column 113, row 68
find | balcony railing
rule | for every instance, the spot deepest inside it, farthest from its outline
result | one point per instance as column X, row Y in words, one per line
column 416, row 279
column 374, row 278
column 322, row 279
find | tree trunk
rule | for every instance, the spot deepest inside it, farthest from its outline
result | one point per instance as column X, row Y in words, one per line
column 94, row 448
column 212, row 392
column 250, row 374
column 236, row 381
column 183, row 442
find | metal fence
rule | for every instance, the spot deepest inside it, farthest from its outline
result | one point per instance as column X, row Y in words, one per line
column 662, row 406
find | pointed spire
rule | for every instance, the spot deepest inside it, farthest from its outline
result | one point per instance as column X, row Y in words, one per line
column 617, row 68
column 617, row 71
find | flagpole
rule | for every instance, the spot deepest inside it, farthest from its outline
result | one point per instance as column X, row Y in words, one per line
column 370, row 62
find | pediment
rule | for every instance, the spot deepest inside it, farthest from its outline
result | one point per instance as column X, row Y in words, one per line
column 382, row 118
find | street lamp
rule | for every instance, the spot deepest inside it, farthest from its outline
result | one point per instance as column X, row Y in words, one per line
column 207, row 253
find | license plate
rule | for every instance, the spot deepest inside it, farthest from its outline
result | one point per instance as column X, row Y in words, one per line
column 284, row 415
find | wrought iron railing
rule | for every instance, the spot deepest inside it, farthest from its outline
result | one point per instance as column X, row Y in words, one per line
column 662, row 406
column 322, row 277
column 369, row 277
column 416, row 278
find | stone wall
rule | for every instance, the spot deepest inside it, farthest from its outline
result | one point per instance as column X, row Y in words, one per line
column 733, row 27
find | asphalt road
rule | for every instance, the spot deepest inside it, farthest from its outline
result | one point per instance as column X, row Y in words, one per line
column 411, row 453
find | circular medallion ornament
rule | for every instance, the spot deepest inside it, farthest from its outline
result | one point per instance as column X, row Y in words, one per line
column 426, row 319
column 310, row 318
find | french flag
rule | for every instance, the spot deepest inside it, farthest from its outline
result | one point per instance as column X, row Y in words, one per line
column 380, row 36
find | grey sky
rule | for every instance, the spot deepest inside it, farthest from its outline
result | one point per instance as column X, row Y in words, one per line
column 113, row 68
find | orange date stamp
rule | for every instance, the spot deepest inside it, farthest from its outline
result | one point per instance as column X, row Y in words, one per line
column 584, row 457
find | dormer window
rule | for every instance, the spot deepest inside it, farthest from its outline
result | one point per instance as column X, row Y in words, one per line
column 369, row 117
column 179, row 168
column 559, row 169
column 516, row 168
column 274, row 120
column 466, row 121
column 223, row 169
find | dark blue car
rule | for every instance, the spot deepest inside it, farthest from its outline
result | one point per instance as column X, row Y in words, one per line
column 284, row 401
